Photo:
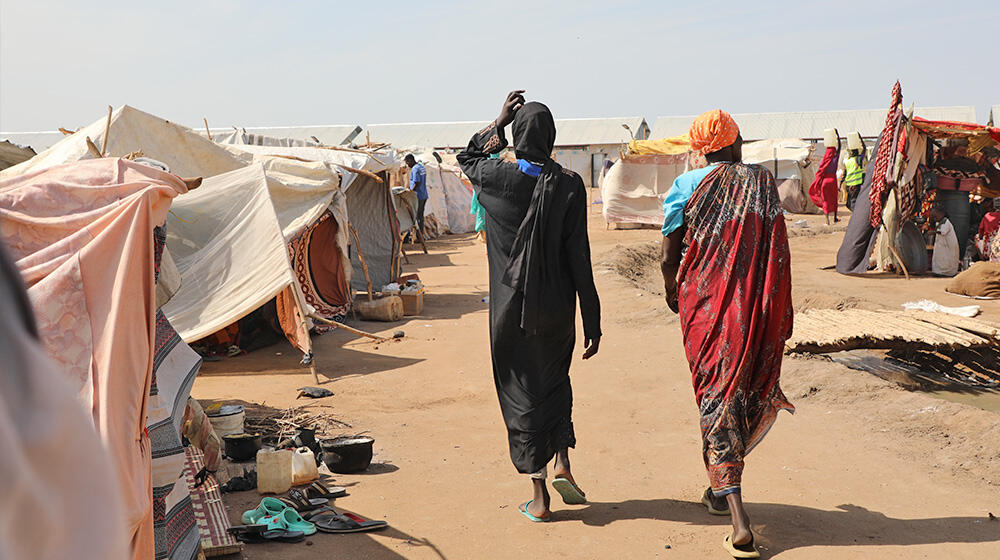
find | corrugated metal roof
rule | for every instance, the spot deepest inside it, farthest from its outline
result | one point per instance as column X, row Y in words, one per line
column 811, row 124
column 428, row 135
column 569, row 132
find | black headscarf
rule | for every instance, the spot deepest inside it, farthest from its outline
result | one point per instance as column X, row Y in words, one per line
column 534, row 132
column 534, row 137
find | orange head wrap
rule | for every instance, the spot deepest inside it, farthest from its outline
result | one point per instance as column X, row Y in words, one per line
column 713, row 131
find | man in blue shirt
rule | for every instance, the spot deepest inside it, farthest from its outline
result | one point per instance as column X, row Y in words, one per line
column 418, row 184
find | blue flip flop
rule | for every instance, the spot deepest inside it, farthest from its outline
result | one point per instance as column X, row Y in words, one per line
column 523, row 508
column 571, row 493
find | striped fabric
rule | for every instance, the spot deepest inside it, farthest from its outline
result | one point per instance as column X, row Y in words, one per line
column 209, row 511
column 174, row 368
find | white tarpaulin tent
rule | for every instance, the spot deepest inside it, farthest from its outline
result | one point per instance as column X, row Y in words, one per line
column 186, row 153
column 634, row 188
column 301, row 192
column 449, row 197
column 370, row 207
column 790, row 160
column 228, row 246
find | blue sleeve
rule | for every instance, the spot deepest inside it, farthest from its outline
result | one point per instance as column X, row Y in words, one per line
column 673, row 205
column 413, row 178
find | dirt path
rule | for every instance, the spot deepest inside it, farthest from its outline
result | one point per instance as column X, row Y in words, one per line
column 862, row 470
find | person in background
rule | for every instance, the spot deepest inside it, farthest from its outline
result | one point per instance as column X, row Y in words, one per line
column 823, row 191
column 987, row 242
column 539, row 262
column 854, row 175
column 726, row 270
column 946, row 253
column 418, row 184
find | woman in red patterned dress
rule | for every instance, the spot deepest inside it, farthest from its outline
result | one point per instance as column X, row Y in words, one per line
column 732, row 290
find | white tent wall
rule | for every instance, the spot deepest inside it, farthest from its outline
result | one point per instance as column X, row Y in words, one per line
column 450, row 198
column 184, row 152
column 229, row 249
column 634, row 188
column 376, row 227
column 238, row 137
column 793, row 165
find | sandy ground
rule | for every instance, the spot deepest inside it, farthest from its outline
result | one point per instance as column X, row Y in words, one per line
column 863, row 469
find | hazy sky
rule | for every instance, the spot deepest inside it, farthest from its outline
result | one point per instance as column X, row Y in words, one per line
column 283, row 63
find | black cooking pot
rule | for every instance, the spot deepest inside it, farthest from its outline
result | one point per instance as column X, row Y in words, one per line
column 242, row 447
column 347, row 454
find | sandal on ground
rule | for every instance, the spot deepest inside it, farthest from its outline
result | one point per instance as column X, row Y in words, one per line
column 706, row 499
column 294, row 522
column 268, row 506
column 333, row 522
column 247, row 530
column 523, row 508
column 748, row 550
column 570, row 492
column 273, row 528
column 298, row 501
column 319, row 494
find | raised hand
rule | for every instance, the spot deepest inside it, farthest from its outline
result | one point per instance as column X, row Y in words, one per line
column 514, row 101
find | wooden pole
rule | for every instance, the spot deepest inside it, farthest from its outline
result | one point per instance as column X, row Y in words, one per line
column 416, row 226
column 92, row 148
column 361, row 257
column 107, row 130
column 208, row 132
column 352, row 330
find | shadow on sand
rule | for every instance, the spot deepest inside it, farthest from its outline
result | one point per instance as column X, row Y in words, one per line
column 782, row 527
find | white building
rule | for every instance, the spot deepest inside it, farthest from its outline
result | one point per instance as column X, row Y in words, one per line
column 581, row 144
column 809, row 125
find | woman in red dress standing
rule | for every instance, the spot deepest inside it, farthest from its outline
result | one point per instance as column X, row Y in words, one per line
column 823, row 190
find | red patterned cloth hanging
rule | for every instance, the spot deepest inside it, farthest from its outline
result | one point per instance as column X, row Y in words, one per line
column 884, row 155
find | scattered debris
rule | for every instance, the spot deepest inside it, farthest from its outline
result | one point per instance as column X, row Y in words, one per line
column 398, row 334
column 276, row 425
column 248, row 481
column 314, row 392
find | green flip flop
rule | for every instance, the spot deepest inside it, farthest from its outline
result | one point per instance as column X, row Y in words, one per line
column 523, row 508
column 571, row 493
column 267, row 506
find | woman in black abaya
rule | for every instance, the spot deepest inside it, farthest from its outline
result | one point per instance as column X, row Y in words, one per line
column 539, row 258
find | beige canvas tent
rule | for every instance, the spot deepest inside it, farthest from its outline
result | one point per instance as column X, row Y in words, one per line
column 633, row 189
column 791, row 162
column 369, row 204
column 305, row 197
column 129, row 130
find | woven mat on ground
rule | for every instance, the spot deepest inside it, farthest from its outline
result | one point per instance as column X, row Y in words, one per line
column 832, row 330
column 209, row 511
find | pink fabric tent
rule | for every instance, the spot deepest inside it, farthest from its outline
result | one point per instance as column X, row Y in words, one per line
column 82, row 236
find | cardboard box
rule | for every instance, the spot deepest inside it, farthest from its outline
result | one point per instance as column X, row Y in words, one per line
column 413, row 302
